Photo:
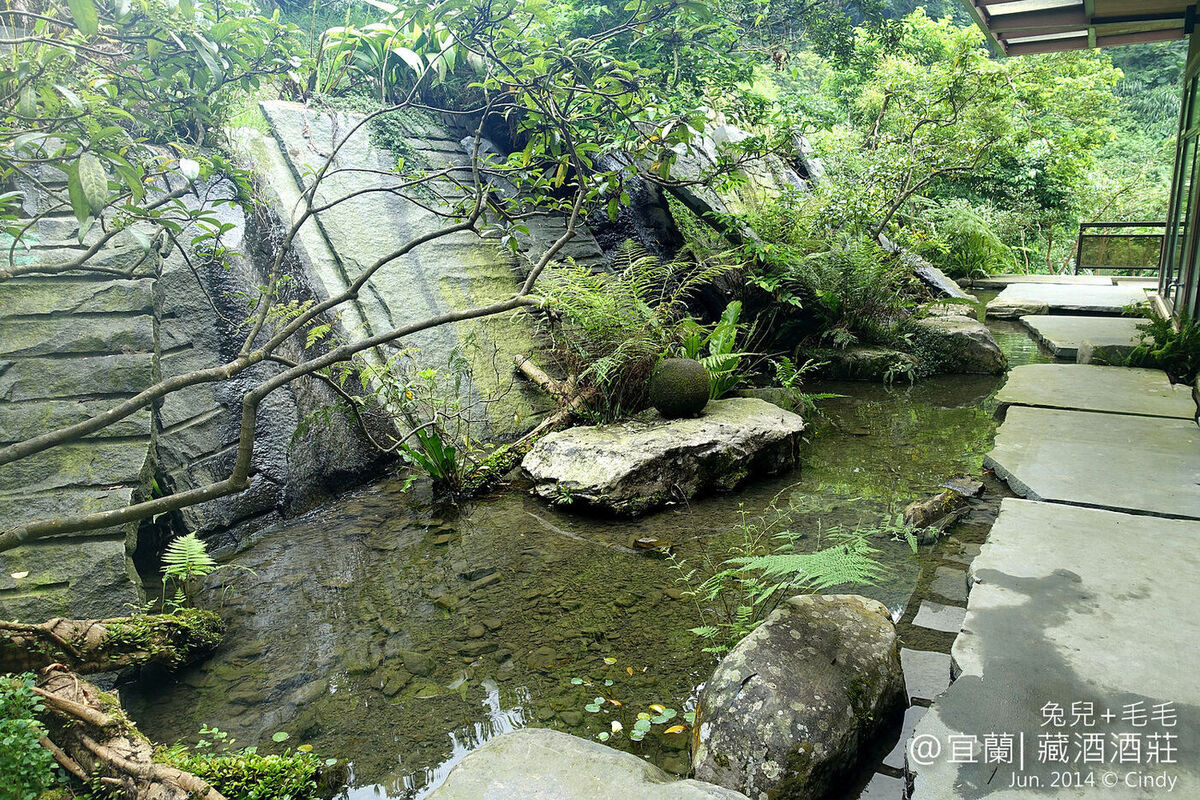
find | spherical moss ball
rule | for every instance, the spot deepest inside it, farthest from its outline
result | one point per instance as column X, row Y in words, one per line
column 679, row 388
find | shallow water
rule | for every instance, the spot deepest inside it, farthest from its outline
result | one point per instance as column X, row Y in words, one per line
column 505, row 601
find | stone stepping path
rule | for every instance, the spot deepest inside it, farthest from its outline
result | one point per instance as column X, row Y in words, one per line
column 1128, row 463
column 1070, row 605
column 926, row 674
column 1083, row 387
column 938, row 617
column 1000, row 281
column 1063, row 334
column 1019, row 299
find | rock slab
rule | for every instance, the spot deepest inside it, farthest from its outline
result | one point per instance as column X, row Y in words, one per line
column 541, row 764
column 1149, row 465
column 1085, row 387
column 1071, row 605
column 636, row 466
column 791, row 708
column 1057, row 298
column 1064, row 334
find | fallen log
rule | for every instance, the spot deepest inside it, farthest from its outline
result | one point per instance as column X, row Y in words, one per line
column 93, row 739
column 89, row 646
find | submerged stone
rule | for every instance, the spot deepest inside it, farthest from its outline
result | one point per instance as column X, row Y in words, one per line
column 794, row 706
column 541, row 764
column 636, row 466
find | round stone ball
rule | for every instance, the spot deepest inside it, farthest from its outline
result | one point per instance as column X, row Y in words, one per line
column 679, row 388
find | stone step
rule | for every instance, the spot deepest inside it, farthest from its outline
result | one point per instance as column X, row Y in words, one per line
column 1069, row 606
column 1084, row 387
column 1019, row 299
column 1146, row 465
column 1063, row 334
column 76, row 334
column 126, row 258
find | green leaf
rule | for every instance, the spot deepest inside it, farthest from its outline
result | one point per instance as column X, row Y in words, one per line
column 79, row 203
column 142, row 240
column 280, row 736
column 93, row 182
column 84, row 14
column 27, row 103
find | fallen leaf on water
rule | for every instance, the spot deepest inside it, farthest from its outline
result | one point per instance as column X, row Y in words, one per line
column 676, row 729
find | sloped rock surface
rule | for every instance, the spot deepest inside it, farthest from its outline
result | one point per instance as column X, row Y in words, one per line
column 954, row 345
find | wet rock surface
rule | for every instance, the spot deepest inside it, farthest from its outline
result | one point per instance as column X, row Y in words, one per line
column 958, row 345
column 634, row 467
column 788, row 711
column 540, row 764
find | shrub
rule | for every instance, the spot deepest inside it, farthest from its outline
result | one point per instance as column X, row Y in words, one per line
column 1174, row 350
column 610, row 330
column 249, row 775
column 962, row 243
column 26, row 768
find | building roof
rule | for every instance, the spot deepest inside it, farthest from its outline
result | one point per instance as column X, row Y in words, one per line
column 1021, row 27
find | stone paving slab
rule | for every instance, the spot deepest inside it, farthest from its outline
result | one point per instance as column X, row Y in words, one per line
column 938, row 617
column 912, row 715
column 1127, row 463
column 1063, row 334
column 926, row 673
column 1066, row 299
column 1122, row 390
column 1000, row 281
column 1071, row 605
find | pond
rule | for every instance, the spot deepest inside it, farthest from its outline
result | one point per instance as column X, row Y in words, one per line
column 399, row 636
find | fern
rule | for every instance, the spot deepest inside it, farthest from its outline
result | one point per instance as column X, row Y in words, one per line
column 186, row 558
column 849, row 562
column 1169, row 345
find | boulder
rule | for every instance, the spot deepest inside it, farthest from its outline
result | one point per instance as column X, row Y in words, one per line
column 633, row 467
column 957, row 345
column 541, row 764
column 795, row 705
column 1108, row 353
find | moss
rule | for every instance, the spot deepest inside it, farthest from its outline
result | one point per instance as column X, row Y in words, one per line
column 679, row 388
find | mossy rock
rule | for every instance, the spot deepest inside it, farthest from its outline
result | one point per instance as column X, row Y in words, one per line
column 679, row 388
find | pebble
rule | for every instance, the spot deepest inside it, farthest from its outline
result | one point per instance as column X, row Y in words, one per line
column 483, row 583
column 476, row 631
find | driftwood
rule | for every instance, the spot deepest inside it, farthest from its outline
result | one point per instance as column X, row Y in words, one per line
column 92, row 738
column 938, row 512
column 88, row 646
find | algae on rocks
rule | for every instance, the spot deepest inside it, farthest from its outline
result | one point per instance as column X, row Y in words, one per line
column 794, row 706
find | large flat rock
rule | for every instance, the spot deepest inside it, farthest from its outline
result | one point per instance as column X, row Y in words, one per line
column 1121, row 390
column 1071, row 605
column 636, row 466
column 1000, row 281
column 541, row 764
column 1018, row 299
column 1126, row 463
column 1063, row 334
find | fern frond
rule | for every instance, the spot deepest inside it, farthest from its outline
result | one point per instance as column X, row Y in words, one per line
column 187, row 557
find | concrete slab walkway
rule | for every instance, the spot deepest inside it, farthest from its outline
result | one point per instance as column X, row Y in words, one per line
column 1018, row 299
column 1128, row 463
column 1063, row 334
column 1000, row 281
column 1083, row 387
column 1085, row 612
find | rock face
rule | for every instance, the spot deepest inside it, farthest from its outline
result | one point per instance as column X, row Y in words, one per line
column 793, row 706
column 541, row 764
column 953, row 344
column 636, row 466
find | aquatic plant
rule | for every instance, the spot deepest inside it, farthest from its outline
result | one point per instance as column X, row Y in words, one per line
column 246, row 774
column 624, row 722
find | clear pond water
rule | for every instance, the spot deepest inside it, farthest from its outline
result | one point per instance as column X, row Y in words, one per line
column 399, row 636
